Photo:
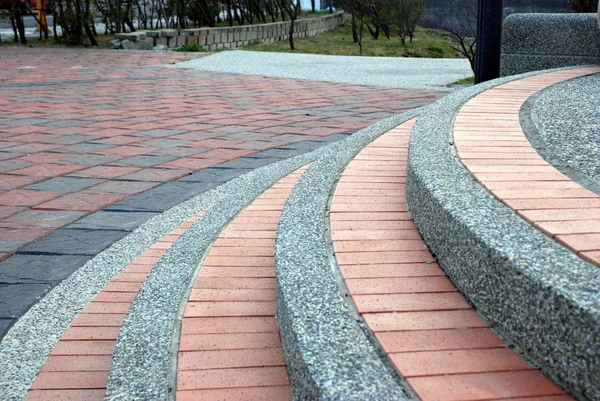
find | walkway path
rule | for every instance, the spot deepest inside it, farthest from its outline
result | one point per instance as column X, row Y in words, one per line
column 395, row 72
column 93, row 143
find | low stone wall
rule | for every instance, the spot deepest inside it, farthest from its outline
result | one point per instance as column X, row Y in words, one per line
column 227, row 37
column 532, row 42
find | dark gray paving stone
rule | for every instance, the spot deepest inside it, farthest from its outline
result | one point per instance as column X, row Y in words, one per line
column 93, row 160
column 75, row 242
column 15, row 299
column 144, row 161
column 113, row 220
column 88, row 147
column 214, row 174
column 32, row 269
column 162, row 198
column 65, row 185
column 67, row 123
column 72, row 139
column 279, row 153
column 4, row 325
column 248, row 162
column 158, row 133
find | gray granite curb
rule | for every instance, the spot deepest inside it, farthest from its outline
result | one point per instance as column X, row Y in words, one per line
column 329, row 353
column 142, row 366
column 541, row 41
column 562, row 122
column 540, row 296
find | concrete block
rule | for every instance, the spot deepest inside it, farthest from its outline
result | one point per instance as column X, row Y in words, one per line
column 145, row 44
column 131, row 36
column 190, row 40
column 153, row 34
column 127, row 44
column 212, row 47
column 172, row 42
column 160, row 41
column 180, row 40
column 115, row 44
column 168, row 33
column 219, row 46
column 533, row 42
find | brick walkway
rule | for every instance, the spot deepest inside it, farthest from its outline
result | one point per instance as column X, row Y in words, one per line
column 94, row 143
column 429, row 332
column 491, row 144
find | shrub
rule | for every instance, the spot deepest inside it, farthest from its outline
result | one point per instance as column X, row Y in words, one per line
column 193, row 47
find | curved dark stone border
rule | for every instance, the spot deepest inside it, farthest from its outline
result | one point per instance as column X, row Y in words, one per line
column 538, row 294
column 531, row 128
column 141, row 366
column 329, row 355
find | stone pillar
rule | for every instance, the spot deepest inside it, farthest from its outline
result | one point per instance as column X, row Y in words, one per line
column 489, row 36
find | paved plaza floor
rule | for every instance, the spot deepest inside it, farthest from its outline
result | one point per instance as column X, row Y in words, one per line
column 94, row 143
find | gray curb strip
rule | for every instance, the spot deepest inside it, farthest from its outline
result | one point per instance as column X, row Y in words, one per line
column 329, row 355
column 141, row 362
column 538, row 294
column 545, row 116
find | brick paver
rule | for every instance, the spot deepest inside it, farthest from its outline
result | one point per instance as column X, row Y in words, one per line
column 430, row 333
column 79, row 364
column 230, row 346
column 107, row 139
column 491, row 144
column 117, row 116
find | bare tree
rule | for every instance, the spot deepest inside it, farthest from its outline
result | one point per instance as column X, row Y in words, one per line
column 460, row 21
column 408, row 15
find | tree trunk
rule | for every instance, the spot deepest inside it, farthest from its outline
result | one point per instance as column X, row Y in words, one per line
column 291, row 33
column 354, row 28
column 19, row 11
column 313, row 5
column 14, row 27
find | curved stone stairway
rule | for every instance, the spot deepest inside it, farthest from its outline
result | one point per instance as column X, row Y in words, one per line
column 428, row 257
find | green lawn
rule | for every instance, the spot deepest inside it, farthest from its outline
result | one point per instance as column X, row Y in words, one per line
column 427, row 43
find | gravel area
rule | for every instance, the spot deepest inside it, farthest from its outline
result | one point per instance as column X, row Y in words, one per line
column 539, row 295
column 563, row 124
column 391, row 72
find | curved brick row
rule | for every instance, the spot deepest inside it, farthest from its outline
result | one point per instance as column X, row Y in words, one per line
column 491, row 144
column 427, row 329
column 230, row 346
column 78, row 366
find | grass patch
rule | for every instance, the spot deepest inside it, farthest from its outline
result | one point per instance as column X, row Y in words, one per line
column 464, row 81
column 428, row 43
column 192, row 47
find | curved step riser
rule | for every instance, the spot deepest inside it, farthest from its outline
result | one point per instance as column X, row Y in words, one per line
column 328, row 354
column 538, row 294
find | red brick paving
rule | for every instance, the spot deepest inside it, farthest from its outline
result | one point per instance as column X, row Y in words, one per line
column 79, row 364
column 91, row 113
column 491, row 144
column 230, row 346
column 430, row 333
